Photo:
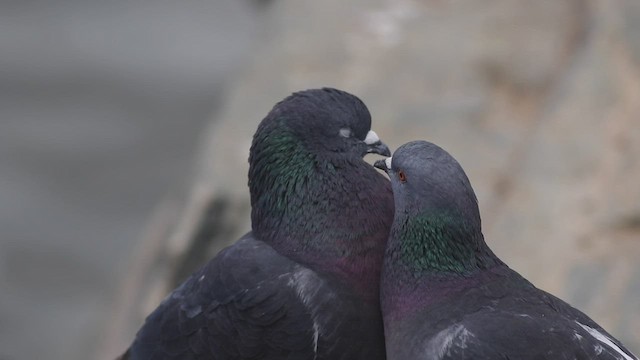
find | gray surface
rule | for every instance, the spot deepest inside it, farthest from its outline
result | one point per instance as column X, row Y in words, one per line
column 101, row 104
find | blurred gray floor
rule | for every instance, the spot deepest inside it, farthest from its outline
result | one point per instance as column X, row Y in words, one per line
column 100, row 103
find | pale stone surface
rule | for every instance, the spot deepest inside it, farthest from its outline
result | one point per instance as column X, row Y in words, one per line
column 539, row 101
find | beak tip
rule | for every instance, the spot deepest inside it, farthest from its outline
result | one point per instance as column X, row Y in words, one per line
column 381, row 164
column 379, row 148
column 385, row 151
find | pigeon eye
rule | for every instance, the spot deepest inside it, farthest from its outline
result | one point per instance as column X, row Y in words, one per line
column 345, row 132
column 402, row 176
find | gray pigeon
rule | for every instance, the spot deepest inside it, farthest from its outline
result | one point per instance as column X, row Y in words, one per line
column 446, row 295
column 304, row 283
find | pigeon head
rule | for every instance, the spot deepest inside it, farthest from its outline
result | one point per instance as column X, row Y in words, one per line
column 437, row 222
column 324, row 122
column 426, row 178
column 311, row 190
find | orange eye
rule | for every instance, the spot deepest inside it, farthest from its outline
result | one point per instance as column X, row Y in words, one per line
column 402, row 176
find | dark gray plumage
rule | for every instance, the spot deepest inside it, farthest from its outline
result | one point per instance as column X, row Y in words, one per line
column 304, row 283
column 446, row 295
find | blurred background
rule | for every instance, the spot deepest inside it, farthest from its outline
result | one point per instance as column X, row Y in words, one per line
column 125, row 129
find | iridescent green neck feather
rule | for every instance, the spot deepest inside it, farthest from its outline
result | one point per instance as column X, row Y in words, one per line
column 278, row 163
column 438, row 243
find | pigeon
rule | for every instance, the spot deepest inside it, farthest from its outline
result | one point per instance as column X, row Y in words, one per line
column 304, row 283
column 446, row 295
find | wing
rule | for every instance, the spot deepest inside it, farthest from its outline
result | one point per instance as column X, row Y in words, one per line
column 515, row 320
column 504, row 335
column 241, row 305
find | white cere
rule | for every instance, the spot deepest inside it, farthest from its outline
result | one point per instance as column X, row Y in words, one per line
column 371, row 138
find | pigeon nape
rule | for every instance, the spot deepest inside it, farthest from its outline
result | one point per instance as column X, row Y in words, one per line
column 446, row 295
column 304, row 283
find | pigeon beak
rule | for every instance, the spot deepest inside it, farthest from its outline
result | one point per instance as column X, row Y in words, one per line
column 382, row 165
column 379, row 148
column 375, row 146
